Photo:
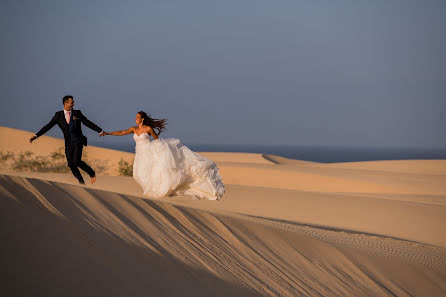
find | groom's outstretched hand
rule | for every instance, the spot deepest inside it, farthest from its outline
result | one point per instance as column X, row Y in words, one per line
column 32, row 139
column 102, row 133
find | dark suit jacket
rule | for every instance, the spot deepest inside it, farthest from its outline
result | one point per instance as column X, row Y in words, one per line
column 78, row 118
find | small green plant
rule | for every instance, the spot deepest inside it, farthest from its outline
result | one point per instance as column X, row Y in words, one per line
column 125, row 168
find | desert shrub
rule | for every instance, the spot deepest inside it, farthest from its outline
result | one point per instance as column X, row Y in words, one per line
column 58, row 162
column 98, row 165
column 26, row 161
column 125, row 168
column 5, row 157
column 53, row 162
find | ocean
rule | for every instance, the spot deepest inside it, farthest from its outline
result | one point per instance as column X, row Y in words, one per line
column 323, row 154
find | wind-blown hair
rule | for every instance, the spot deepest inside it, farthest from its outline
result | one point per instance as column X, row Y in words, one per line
column 158, row 125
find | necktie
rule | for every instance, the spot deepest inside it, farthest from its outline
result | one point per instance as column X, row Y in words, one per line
column 68, row 117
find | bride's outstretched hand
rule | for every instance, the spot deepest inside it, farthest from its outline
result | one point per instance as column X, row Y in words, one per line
column 120, row 133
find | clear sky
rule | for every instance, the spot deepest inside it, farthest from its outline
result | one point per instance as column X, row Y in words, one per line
column 343, row 73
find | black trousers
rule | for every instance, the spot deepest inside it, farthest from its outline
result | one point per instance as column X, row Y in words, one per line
column 73, row 152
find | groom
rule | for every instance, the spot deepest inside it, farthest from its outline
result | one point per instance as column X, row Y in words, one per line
column 69, row 121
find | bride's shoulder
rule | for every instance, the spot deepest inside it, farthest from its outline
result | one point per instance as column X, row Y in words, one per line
column 148, row 128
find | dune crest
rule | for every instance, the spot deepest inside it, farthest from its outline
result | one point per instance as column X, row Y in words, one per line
column 283, row 228
column 199, row 251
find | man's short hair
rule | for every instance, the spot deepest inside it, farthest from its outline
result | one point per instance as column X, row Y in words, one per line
column 66, row 98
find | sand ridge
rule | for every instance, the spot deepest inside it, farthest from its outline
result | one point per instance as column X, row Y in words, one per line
column 284, row 228
column 263, row 256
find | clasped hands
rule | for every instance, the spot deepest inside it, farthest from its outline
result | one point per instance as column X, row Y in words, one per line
column 103, row 133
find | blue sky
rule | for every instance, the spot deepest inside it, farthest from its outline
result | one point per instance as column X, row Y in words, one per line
column 335, row 73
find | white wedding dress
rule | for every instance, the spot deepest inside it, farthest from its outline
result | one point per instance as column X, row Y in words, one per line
column 167, row 167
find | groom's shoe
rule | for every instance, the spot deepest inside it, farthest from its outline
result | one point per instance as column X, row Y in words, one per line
column 81, row 182
column 93, row 179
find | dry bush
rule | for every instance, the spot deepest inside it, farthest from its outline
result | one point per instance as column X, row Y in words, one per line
column 125, row 168
column 54, row 162
column 26, row 161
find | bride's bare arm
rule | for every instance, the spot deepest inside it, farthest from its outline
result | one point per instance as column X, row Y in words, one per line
column 150, row 130
column 120, row 133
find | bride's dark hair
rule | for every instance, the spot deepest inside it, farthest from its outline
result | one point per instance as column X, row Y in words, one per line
column 158, row 125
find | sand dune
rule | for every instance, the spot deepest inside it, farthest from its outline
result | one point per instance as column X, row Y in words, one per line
column 16, row 140
column 284, row 228
column 403, row 166
column 72, row 240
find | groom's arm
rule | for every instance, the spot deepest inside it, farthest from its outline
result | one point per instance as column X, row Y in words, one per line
column 47, row 127
column 89, row 123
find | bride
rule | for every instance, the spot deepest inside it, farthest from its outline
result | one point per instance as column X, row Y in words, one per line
column 167, row 167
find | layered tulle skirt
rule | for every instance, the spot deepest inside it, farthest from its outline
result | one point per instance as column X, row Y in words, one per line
column 167, row 167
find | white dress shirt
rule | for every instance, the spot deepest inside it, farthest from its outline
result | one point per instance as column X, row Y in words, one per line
column 67, row 114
